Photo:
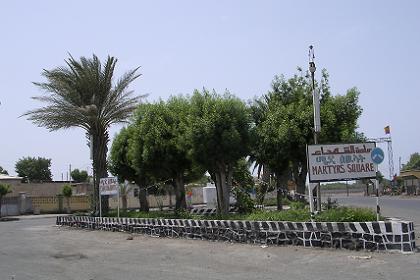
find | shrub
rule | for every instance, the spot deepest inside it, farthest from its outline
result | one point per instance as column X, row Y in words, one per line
column 244, row 202
column 347, row 214
column 340, row 214
column 297, row 205
column 67, row 191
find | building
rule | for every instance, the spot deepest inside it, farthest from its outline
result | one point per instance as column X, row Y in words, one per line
column 411, row 181
column 10, row 180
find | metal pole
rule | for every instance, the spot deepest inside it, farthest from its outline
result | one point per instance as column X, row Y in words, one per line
column 378, row 208
column 347, row 187
column 317, row 119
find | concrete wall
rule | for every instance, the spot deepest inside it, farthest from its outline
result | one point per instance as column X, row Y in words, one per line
column 24, row 204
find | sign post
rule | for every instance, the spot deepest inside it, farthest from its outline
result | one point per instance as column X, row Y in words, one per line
column 109, row 186
column 377, row 156
column 340, row 162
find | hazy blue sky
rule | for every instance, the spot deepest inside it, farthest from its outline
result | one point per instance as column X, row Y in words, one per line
column 238, row 45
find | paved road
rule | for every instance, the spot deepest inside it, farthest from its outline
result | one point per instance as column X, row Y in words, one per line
column 35, row 249
column 402, row 207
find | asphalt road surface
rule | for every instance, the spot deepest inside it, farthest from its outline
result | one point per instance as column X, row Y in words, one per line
column 403, row 207
column 36, row 249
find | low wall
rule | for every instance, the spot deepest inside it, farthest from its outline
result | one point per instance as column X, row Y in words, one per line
column 389, row 235
column 57, row 204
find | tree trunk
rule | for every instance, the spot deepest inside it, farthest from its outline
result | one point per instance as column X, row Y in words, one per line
column 281, row 186
column 300, row 177
column 144, row 204
column 279, row 194
column 100, row 149
column 124, row 201
column 228, row 187
column 68, row 205
column 180, row 203
column 219, row 192
column 222, row 189
column 265, row 178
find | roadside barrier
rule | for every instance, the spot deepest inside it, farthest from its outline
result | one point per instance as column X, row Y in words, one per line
column 373, row 236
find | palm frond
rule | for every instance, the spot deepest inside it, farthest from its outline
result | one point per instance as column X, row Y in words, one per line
column 82, row 94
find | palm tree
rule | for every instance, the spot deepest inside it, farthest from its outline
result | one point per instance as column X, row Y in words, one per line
column 83, row 94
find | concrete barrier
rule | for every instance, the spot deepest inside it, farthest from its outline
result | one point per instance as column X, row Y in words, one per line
column 374, row 236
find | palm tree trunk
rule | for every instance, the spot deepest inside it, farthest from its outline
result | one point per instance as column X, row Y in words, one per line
column 100, row 149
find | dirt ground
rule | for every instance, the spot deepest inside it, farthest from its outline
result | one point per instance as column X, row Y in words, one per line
column 37, row 249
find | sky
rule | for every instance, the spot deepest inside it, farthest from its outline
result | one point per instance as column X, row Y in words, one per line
column 186, row 45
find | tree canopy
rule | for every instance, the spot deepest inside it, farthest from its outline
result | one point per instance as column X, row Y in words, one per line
column 413, row 163
column 284, row 124
column 79, row 176
column 163, row 128
column 121, row 163
column 34, row 169
column 3, row 171
column 84, row 94
column 219, row 134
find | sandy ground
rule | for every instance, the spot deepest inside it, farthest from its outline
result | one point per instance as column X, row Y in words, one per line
column 37, row 249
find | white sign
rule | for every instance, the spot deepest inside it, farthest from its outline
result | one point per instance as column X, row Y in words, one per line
column 108, row 186
column 340, row 162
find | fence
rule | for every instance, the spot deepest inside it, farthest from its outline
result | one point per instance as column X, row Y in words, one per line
column 23, row 204
column 17, row 205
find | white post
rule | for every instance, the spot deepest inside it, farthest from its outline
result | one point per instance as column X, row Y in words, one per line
column 311, row 198
column 311, row 187
column 118, row 206
column 100, row 204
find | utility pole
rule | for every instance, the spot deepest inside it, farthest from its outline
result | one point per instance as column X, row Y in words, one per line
column 70, row 173
column 317, row 118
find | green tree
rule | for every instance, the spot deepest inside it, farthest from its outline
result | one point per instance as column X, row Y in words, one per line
column 124, row 191
column 34, row 169
column 259, row 110
column 166, row 145
column 121, row 164
column 3, row 171
column 83, row 94
column 219, row 134
column 79, row 176
column 243, row 184
column 67, row 193
column 285, row 126
column 4, row 190
column 413, row 162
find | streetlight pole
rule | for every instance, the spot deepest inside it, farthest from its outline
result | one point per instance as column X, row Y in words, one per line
column 317, row 117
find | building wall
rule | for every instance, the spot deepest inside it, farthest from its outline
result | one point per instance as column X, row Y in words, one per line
column 20, row 202
column 46, row 189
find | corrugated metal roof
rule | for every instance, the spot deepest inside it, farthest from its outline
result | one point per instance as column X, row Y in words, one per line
column 410, row 173
column 8, row 177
